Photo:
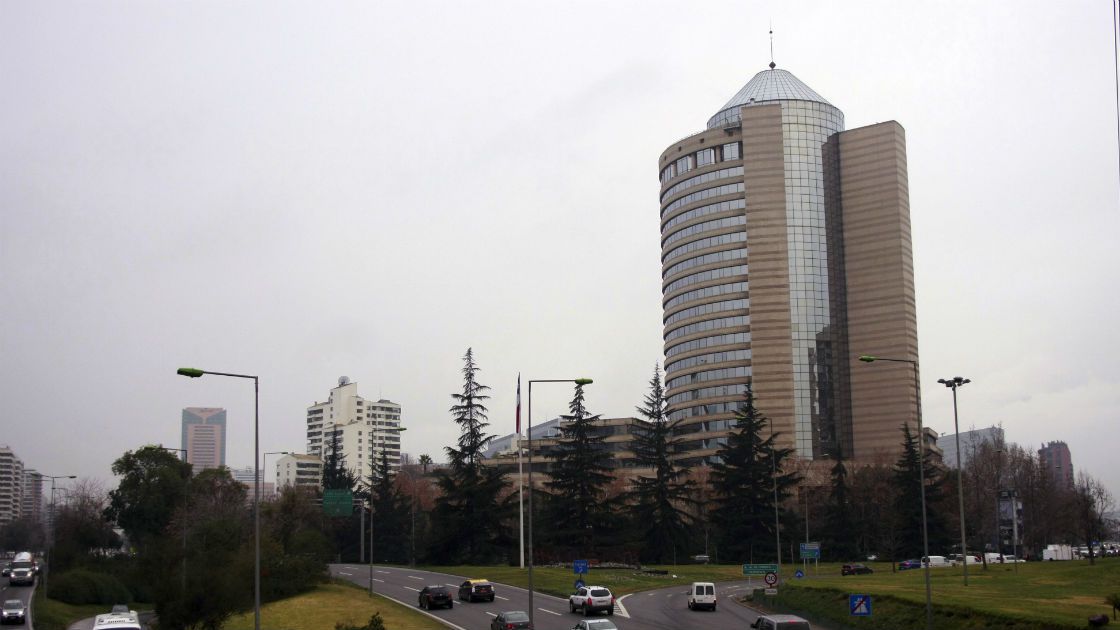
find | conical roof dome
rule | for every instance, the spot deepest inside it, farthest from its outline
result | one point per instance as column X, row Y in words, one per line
column 769, row 85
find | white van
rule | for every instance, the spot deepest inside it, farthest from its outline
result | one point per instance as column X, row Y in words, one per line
column 937, row 562
column 117, row 621
column 702, row 595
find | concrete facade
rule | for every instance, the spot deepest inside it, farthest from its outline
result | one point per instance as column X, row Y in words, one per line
column 302, row 471
column 1055, row 458
column 363, row 428
column 11, row 485
column 786, row 253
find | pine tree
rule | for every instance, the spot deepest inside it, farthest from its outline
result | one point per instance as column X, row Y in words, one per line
column 661, row 500
column 840, row 536
column 469, row 517
column 336, row 476
column 391, row 513
column 579, row 477
column 745, row 479
column 908, row 501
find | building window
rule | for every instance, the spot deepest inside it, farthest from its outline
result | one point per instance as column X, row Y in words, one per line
column 731, row 151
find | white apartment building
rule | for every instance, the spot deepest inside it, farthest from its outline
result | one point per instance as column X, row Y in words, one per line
column 11, row 485
column 299, row 470
column 361, row 428
column 33, row 495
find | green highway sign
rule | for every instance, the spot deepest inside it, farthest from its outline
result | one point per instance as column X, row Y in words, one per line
column 759, row 569
column 338, row 503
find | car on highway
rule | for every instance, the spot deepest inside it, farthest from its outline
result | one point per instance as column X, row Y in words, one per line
column 781, row 622
column 14, row 611
column 595, row 624
column 909, row 564
column 117, row 621
column 476, row 589
column 702, row 595
column 435, row 597
column 6, row 571
column 855, row 569
column 511, row 620
column 592, row 599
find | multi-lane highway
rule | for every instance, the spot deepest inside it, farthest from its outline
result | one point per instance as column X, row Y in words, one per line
column 22, row 593
column 662, row 609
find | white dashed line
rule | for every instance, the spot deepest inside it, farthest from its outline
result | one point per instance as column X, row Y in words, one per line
column 416, row 590
column 413, row 577
column 380, row 571
column 502, row 598
column 446, row 584
column 549, row 612
column 341, row 573
column 377, row 580
column 491, row 614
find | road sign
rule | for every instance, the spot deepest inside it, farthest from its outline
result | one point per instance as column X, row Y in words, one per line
column 579, row 567
column 860, row 605
column 771, row 579
column 799, row 574
column 771, row 591
column 338, row 503
column 579, row 584
column 810, row 551
column 759, row 569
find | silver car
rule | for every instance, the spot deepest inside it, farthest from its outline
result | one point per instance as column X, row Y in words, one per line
column 13, row 612
column 595, row 624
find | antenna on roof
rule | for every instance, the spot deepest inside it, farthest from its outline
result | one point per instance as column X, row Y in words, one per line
column 772, row 64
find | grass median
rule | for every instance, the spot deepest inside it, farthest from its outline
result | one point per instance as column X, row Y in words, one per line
column 337, row 602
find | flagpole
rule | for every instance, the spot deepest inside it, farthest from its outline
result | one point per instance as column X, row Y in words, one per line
column 520, row 477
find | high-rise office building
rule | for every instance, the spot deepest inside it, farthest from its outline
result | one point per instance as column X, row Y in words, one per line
column 1055, row 458
column 32, row 495
column 204, row 437
column 11, row 485
column 786, row 253
column 360, row 428
column 970, row 441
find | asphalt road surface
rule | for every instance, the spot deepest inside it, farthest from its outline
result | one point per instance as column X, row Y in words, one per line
column 22, row 593
column 662, row 609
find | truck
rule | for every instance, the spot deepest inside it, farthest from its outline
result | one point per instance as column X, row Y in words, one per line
column 23, row 570
column 1057, row 552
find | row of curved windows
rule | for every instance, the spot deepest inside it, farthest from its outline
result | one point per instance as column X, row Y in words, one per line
column 709, row 324
column 705, row 243
column 735, row 171
column 707, row 259
column 704, row 410
column 712, row 208
column 696, row 445
column 707, row 342
column 696, row 294
column 714, row 224
column 705, row 392
column 711, row 357
column 711, row 274
column 708, row 375
column 704, row 309
column 728, row 151
column 704, row 426
column 707, row 193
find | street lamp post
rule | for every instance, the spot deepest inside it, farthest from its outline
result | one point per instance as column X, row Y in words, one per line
column 867, row 358
column 50, row 543
column 529, row 439
column 196, row 373
column 954, row 383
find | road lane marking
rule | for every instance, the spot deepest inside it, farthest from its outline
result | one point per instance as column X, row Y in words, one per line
column 502, row 598
column 491, row 614
column 343, row 573
column 416, row 590
column 549, row 612
column 621, row 608
column 423, row 612
column 446, row 584
column 413, row 577
column 377, row 580
column 380, row 571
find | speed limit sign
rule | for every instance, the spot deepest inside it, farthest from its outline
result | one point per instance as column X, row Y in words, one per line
column 771, row 578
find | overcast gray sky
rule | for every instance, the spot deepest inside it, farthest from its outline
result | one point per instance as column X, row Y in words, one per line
column 309, row 190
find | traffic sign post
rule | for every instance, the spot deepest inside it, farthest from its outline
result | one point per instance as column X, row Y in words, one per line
column 859, row 605
column 759, row 569
column 771, row 579
column 579, row 567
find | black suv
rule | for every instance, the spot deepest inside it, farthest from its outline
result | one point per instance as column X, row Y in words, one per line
column 435, row 597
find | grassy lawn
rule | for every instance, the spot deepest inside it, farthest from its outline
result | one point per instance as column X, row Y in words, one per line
column 50, row 614
column 329, row 604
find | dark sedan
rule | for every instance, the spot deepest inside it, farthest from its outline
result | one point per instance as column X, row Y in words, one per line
column 855, row 569
column 512, row 620
column 909, row 564
column 435, row 597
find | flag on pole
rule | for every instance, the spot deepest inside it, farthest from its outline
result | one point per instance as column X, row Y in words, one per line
column 519, row 403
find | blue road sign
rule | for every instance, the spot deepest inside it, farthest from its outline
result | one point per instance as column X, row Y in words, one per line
column 579, row 584
column 579, row 567
column 799, row 574
column 860, row 605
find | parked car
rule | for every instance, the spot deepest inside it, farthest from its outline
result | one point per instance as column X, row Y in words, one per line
column 592, row 599
column 702, row 595
column 512, row 620
column 435, row 597
column 14, row 612
column 595, row 624
column 855, row 569
column 781, row 622
column 938, row 562
column 909, row 564
column 473, row 589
